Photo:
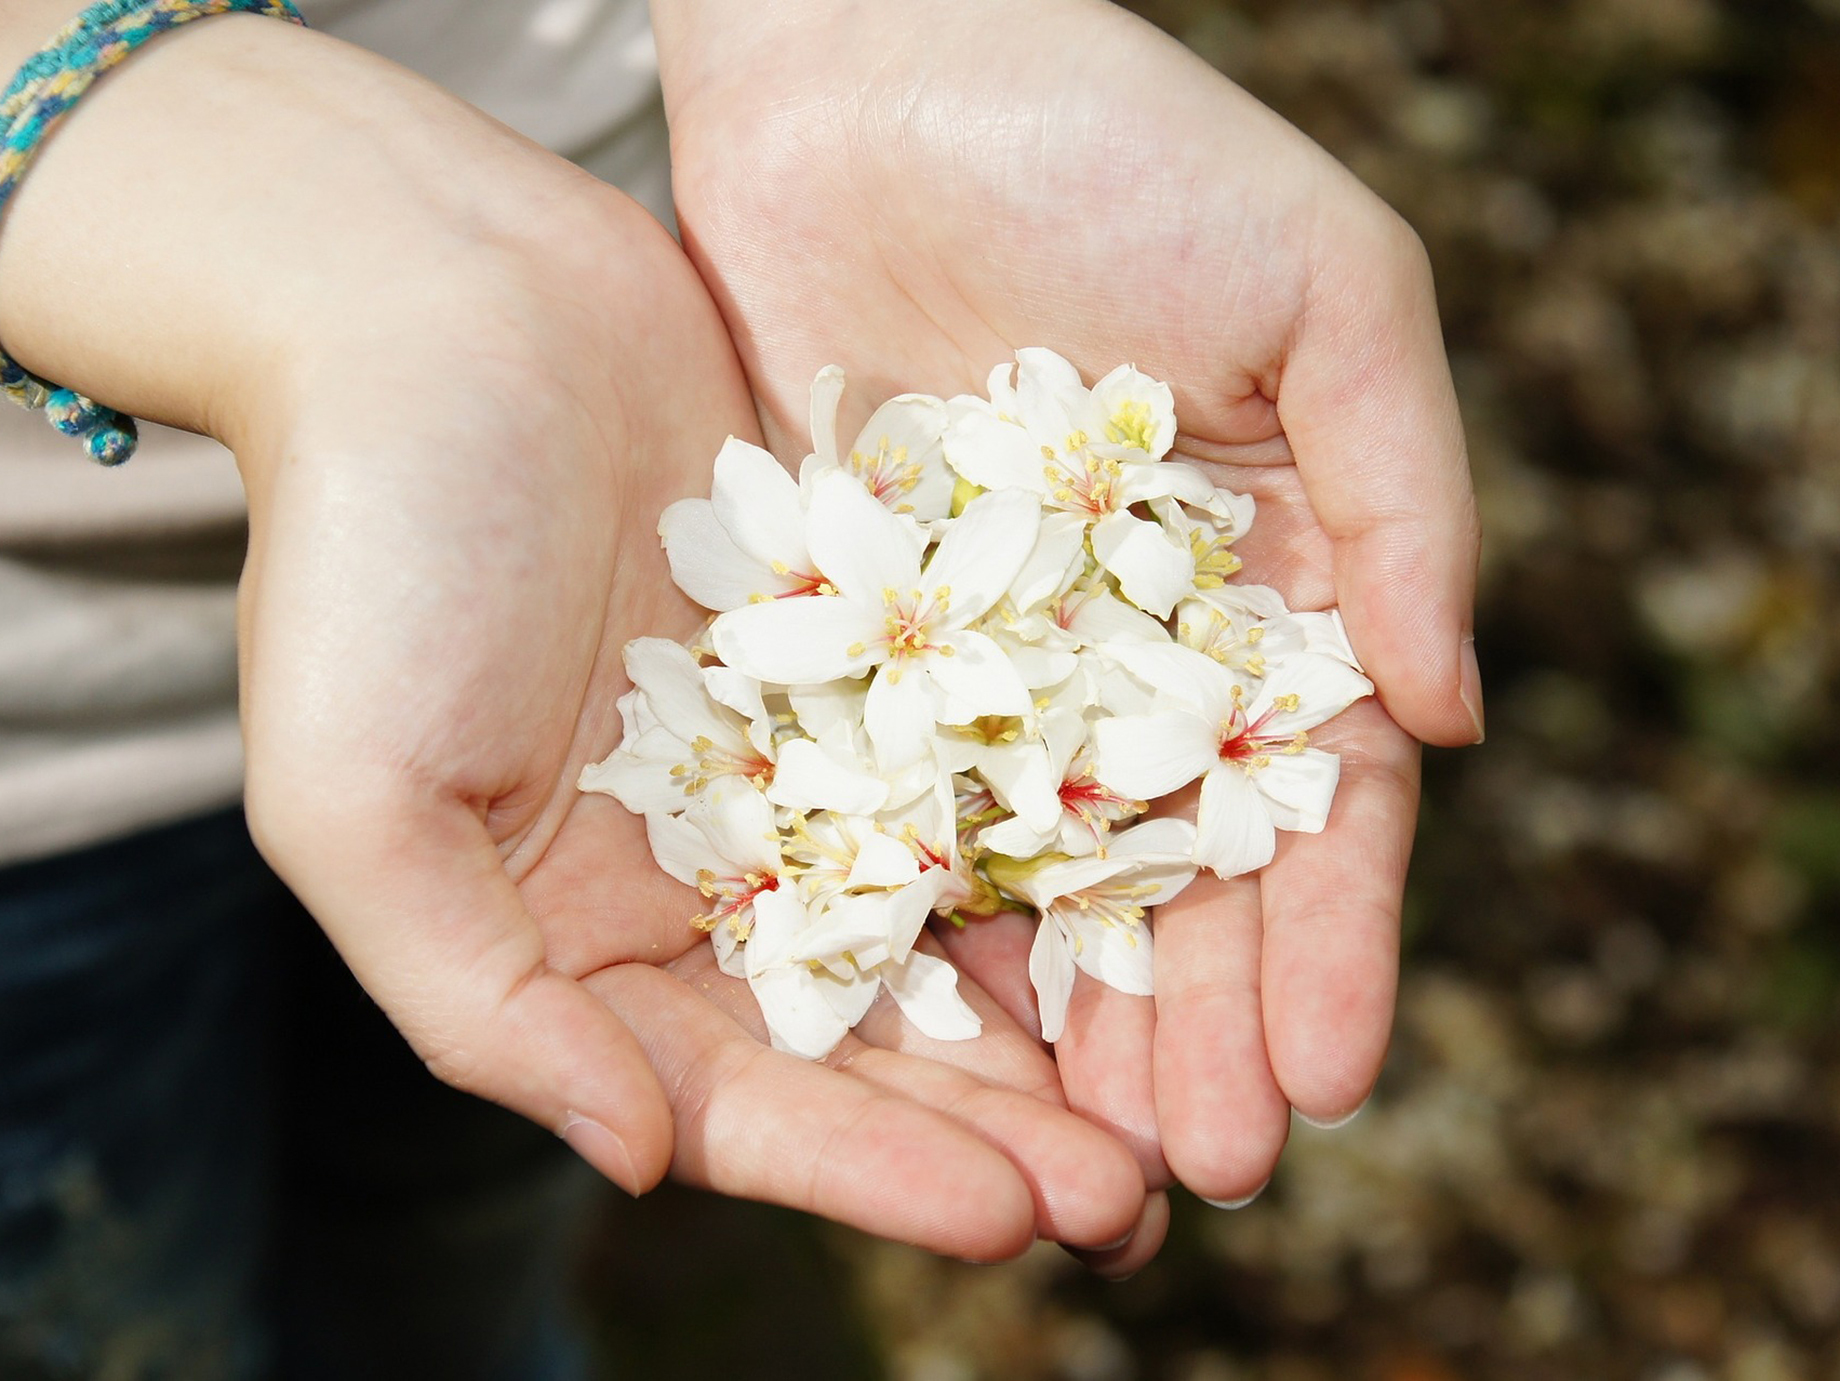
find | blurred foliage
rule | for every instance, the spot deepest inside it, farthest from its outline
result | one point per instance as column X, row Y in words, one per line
column 1607, row 1142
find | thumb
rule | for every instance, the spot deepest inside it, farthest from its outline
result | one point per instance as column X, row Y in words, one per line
column 1368, row 407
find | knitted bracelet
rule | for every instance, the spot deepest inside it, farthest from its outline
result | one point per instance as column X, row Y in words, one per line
column 50, row 83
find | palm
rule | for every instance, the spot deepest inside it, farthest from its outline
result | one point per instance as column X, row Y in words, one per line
column 972, row 179
column 438, row 592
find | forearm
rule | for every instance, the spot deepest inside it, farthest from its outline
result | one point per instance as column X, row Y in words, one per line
column 236, row 200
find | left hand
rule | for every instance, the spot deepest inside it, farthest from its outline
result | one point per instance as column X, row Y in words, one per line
column 913, row 192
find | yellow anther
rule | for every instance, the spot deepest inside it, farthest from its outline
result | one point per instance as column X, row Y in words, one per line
column 1130, row 425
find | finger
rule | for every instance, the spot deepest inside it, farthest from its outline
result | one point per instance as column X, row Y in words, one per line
column 1366, row 400
column 1003, row 1086
column 759, row 1124
column 1332, row 904
column 420, row 907
column 1125, row 1259
column 1105, row 1055
column 1223, row 1118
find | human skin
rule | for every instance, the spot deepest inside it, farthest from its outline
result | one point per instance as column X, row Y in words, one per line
column 461, row 380
column 913, row 191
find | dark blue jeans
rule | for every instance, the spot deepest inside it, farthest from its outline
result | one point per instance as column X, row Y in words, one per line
column 218, row 1161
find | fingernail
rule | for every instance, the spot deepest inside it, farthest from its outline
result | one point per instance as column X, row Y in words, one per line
column 1230, row 1204
column 1329, row 1124
column 1114, row 1246
column 1469, row 683
column 601, row 1149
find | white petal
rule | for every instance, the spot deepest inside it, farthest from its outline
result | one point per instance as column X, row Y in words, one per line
column 1260, row 601
column 705, row 562
column 927, row 989
column 883, row 861
column 1154, row 571
column 1101, row 617
column 800, row 1020
column 1178, row 674
column 730, row 957
column 1298, row 788
column 827, row 704
column 680, row 848
column 1147, row 756
column 738, row 821
column 994, row 455
column 1062, row 878
column 1051, row 971
column 1327, row 634
column 673, row 682
column 1015, row 838
column 1324, row 687
column 780, row 922
column 757, row 503
column 641, row 779
column 739, row 693
column 1045, row 573
column 852, row 997
column 807, row 778
column 1157, row 421
column 982, row 551
column 1165, row 479
column 1022, row 779
column 1039, row 667
column 976, row 677
column 799, row 641
column 826, row 393
column 1233, row 830
column 898, row 713
column 1119, row 956
column 1049, row 394
column 860, row 546
column 859, row 925
column 913, row 423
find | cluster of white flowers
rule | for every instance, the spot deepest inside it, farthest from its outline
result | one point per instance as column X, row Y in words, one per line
column 947, row 669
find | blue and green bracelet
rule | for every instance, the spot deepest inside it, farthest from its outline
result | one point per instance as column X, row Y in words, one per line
column 47, row 86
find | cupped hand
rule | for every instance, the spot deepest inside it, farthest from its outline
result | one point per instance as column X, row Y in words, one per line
column 463, row 380
column 453, row 538
column 913, row 192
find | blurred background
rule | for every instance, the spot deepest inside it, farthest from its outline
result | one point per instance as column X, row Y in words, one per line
column 1607, row 1142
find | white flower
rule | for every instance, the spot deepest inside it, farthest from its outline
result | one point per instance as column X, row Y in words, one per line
column 1084, row 809
column 816, row 968
column 725, row 846
column 1259, row 772
column 898, row 456
column 907, row 624
column 1096, row 453
column 1209, row 536
column 1093, row 913
column 687, row 726
column 747, row 542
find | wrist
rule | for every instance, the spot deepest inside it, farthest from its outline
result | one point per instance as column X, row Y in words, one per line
column 234, row 199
